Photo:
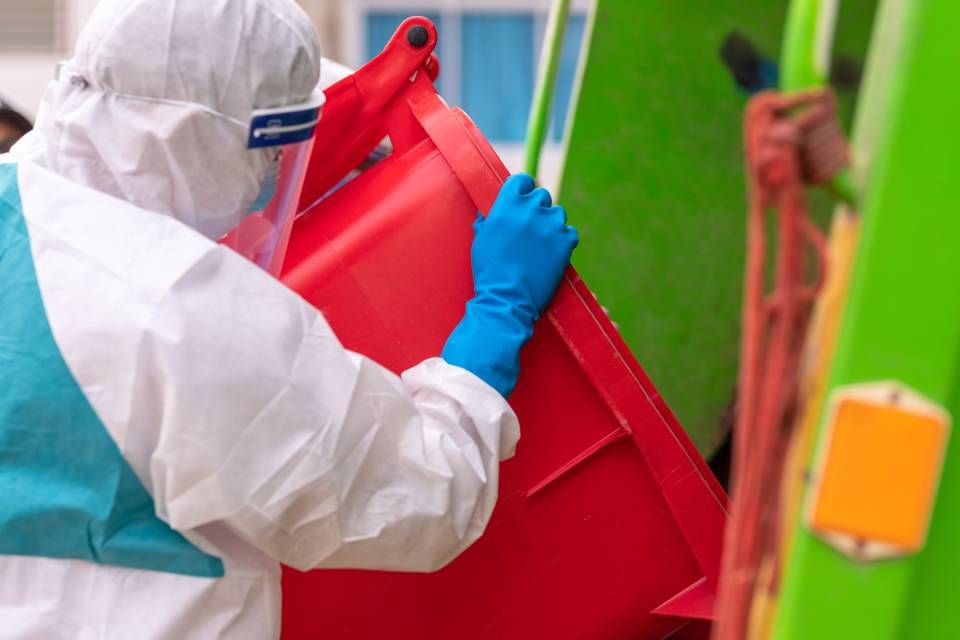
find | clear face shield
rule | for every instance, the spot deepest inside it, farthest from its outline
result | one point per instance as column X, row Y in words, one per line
column 263, row 235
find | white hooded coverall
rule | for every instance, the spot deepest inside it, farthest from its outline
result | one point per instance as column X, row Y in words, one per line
column 173, row 421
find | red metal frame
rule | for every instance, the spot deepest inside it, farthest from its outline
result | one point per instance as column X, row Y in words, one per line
column 588, row 538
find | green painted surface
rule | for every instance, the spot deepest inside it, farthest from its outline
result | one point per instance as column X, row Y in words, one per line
column 902, row 322
column 539, row 121
column 804, row 62
column 654, row 181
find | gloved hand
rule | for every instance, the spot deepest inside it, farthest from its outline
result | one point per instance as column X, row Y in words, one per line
column 519, row 254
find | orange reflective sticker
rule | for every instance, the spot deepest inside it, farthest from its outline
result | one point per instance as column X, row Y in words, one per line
column 878, row 471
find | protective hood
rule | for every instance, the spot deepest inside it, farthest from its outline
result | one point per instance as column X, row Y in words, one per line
column 155, row 105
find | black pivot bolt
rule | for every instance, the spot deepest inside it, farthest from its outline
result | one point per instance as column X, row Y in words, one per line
column 417, row 36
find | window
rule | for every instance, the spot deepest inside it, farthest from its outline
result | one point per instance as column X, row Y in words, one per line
column 30, row 26
column 498, row 71
column 488, row 59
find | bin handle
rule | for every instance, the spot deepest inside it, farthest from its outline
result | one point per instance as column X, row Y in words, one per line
column 359, row 110
column 479, row 176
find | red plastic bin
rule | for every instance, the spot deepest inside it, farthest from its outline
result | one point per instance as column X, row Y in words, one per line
column 609, row 524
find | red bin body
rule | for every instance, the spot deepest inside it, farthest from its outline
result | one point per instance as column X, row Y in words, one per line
column 608, row 524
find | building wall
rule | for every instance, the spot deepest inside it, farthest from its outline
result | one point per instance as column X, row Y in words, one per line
column 343, row 29
column 326, row 17
column 489, row 52
column 24, row 76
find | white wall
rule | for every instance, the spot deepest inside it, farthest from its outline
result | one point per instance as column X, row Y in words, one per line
column 23, row 78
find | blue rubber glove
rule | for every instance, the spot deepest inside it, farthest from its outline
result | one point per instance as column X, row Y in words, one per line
column 519, row 254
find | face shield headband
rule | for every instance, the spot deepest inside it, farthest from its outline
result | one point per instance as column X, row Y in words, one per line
column 263, row 235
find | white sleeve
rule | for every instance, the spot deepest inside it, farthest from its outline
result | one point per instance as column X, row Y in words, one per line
column 235, row 403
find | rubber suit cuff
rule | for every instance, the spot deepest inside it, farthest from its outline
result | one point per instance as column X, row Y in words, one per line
column 487, row 342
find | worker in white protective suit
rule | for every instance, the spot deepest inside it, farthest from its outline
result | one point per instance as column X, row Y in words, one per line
column 174, row 422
